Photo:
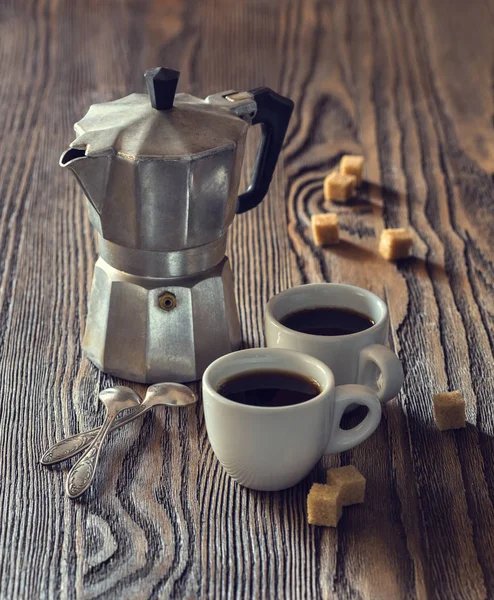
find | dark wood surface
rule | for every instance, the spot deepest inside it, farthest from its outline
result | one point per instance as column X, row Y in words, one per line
column 409, row 85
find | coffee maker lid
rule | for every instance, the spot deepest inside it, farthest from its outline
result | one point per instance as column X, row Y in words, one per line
column 157, row 125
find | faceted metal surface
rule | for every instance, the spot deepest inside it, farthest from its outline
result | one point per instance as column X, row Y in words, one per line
column 161, row 189
column 133, row 129
column 163, row 205
column 160, row 180
column 172, row 263
column 130, row 336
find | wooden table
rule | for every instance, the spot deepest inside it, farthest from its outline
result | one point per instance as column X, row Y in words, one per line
column 409, row 85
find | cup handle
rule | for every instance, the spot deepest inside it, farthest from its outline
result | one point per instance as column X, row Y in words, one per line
column 374, row 359
column 350, row 395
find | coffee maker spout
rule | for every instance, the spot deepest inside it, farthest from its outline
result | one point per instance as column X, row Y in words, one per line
column 73, row 159
column 91, row 174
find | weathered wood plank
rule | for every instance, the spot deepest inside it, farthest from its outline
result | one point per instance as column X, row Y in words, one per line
column 408, row 85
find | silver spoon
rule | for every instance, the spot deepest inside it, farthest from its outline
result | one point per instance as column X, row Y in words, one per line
column 82, row 473
column 168, row 394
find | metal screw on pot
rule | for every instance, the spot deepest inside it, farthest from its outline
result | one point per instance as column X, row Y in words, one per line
column 167, row 301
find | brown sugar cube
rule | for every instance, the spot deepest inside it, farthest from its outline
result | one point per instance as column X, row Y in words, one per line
column 325, row 229
column 353, row 165
column 350, row 482
column 339, row 187
column 323, row 505
column 449, row 410
column 395, row 243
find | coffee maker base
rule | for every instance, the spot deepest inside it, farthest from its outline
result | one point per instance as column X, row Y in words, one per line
column 148, row 329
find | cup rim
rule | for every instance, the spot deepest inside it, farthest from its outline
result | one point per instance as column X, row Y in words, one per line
column 330, row 383
column 311, row 336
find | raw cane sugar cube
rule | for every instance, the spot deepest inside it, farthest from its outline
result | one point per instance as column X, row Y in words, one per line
column 395, row 243
column 338, row 187
column 449, row 410
column 350, row 482
column 353, row 165
column 323, row 505
column 325, row 229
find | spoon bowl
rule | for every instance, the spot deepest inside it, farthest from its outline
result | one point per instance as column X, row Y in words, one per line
column 170, row 394
column 119, row 398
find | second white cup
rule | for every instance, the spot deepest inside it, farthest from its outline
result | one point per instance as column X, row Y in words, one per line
column 359, row 357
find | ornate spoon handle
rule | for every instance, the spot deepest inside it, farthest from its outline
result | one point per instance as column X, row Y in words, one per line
column 70, row 446
column 82, row 473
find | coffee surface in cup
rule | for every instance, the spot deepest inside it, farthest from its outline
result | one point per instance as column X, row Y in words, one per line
column 269, row 388
column 327, row 320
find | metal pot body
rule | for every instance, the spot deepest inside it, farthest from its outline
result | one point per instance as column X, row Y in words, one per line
column 161, row 173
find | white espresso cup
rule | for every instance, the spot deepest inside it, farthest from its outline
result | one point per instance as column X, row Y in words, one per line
column 273, row 448
column 354, row 358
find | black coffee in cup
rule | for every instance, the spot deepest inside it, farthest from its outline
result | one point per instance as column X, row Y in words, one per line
column 269, row 388
column 327, row 320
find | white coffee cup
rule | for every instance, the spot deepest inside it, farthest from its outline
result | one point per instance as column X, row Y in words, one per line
column 273, row 448
column 354, row 358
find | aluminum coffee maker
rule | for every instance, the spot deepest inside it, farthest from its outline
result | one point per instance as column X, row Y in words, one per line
column 161, row 172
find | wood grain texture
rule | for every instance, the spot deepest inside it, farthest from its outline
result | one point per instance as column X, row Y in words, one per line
column 407, row 84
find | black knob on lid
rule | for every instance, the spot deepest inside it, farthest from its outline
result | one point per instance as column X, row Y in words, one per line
column 161, row 84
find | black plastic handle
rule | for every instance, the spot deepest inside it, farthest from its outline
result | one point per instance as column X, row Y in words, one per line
column 273, row 113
